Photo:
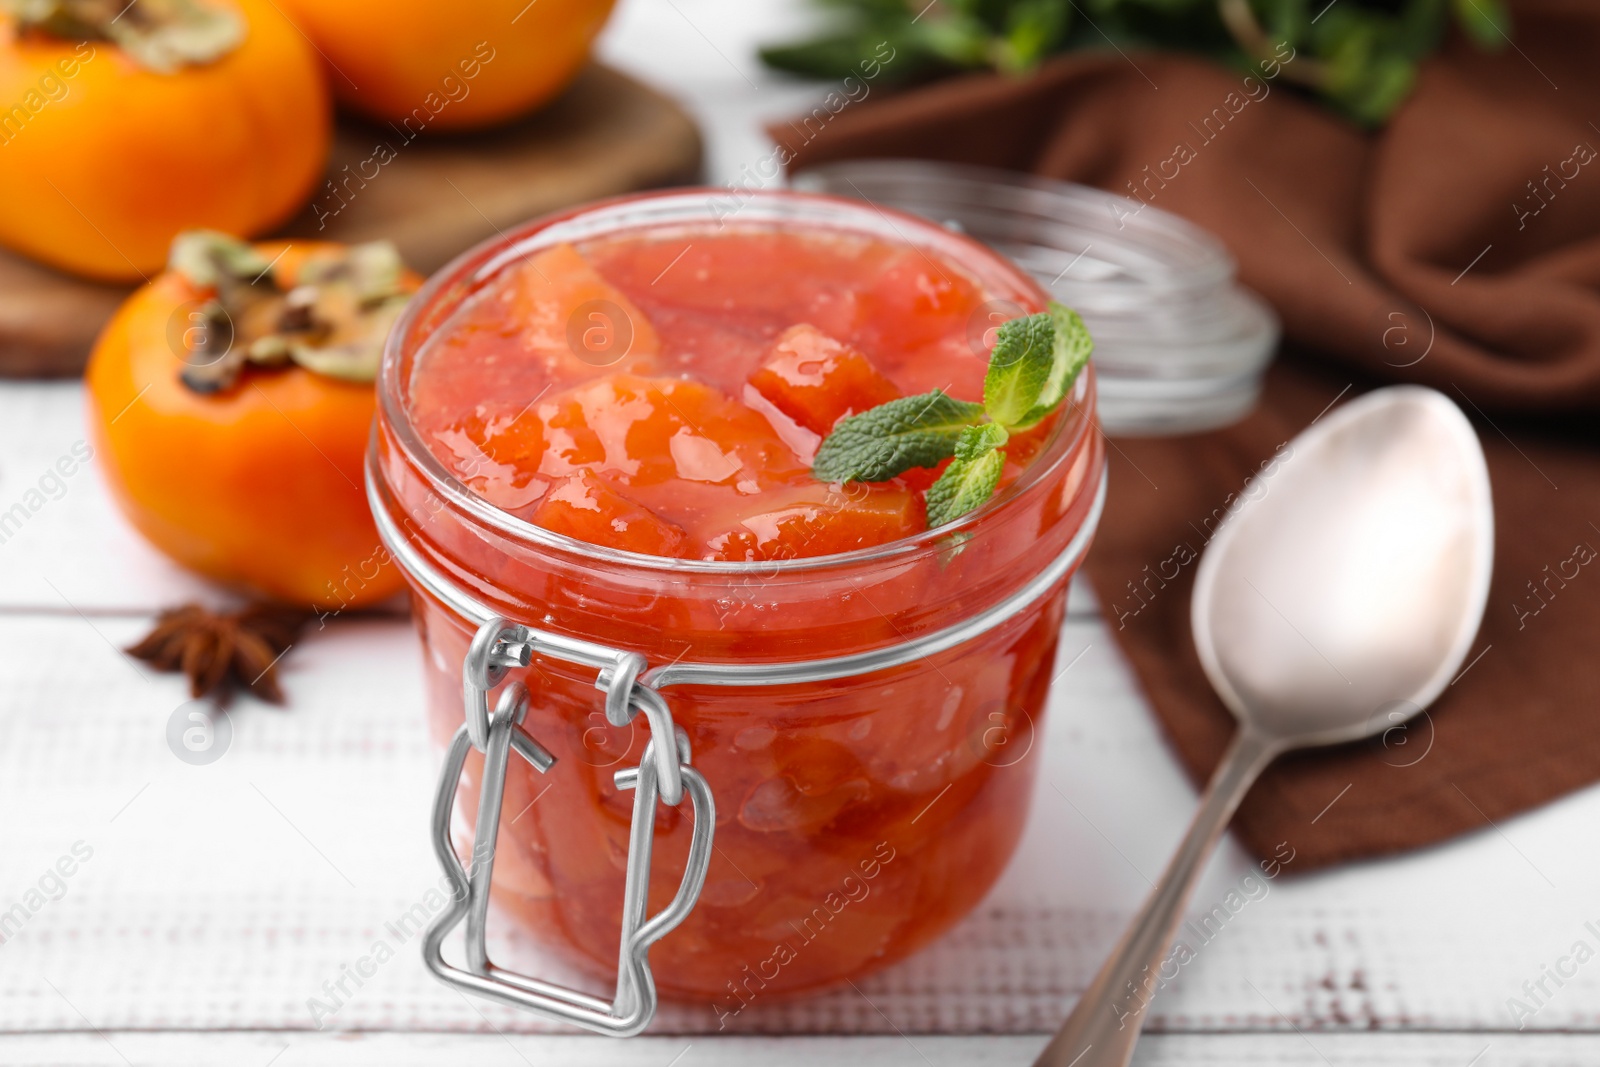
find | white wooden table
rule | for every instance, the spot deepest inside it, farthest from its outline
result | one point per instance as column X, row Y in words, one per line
column 217, row 901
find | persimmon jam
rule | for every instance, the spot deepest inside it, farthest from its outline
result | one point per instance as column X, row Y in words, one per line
column 601, row 425
column 666, row 393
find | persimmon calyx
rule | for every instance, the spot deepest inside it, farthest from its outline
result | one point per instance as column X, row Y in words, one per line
column 331, row 318
column 160, row 35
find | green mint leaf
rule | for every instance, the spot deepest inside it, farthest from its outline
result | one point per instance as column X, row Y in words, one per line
column 876, row 445
column 1034, row 29
column 833, row 57
column 976, row 440
column 1486, row 21
column 959, row 39
column 1389, row 81
column 1070, row 346
column 1019, row 368
column 964, row 486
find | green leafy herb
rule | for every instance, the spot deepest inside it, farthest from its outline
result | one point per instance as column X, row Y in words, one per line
column 1033, row 363
column 1019, row 368
column 1032, row 366
column 964, row 486
column 1360, row 56
column 1033, row 29
column 976, row 440
column 890, row 439
column 1485, row 21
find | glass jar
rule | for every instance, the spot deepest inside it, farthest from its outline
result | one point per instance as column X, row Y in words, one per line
column 857, row 817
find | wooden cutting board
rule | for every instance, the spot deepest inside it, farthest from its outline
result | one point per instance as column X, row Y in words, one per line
column 434, row 198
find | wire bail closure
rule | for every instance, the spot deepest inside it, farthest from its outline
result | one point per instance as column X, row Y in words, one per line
column 664, row 773
column 499, row 646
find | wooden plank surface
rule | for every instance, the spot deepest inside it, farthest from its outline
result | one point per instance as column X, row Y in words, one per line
column 250, row 1049
column 68, row 548
column 224, row 896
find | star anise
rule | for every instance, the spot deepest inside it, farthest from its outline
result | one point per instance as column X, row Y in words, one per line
column 221, row 650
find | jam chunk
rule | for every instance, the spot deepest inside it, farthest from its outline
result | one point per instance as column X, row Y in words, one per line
column 817, row 519
column 641, row 432
column 654, row 431
column 575, row 322
column 679, row 449
column 929, row 325
column 585, row 507
column 816, row 381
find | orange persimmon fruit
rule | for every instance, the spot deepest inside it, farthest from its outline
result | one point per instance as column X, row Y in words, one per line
column 466, row 65
column 113, row 144
column 251, row 474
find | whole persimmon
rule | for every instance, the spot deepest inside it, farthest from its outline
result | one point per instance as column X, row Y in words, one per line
column 122, row 124
column 231, row 401
column 465, row 65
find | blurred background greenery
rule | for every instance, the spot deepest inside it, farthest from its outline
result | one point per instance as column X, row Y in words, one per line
column 1360, row 56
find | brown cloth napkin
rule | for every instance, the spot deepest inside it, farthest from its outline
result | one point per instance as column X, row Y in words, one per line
column 1460, row 248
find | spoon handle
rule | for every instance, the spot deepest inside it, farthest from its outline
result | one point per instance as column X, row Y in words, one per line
column 1103, row 1028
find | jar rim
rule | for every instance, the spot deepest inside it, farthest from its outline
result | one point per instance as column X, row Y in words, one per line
column 478, row 264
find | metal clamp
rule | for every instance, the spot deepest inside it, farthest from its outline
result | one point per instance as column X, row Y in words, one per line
column 634, row 1004
column 499, row 646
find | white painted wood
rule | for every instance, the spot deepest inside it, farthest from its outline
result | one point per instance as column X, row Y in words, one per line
column 68, row 549
column 278, row 1049
column 225, row 896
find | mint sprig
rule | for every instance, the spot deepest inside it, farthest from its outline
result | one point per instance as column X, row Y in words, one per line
column 876, row 445
column 1070, row 348
column 1032, row 366
column 972, row 477
column 1019, row 368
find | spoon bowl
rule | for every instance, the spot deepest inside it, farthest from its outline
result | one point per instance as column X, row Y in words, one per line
column 1350, row 578
column 1337, row 599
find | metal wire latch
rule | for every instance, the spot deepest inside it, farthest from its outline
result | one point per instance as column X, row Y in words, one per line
column 664, row 773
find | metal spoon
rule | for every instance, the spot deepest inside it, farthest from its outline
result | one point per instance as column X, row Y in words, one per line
column 1337, row 599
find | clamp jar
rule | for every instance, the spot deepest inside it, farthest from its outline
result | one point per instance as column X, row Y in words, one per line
column 862, row 725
